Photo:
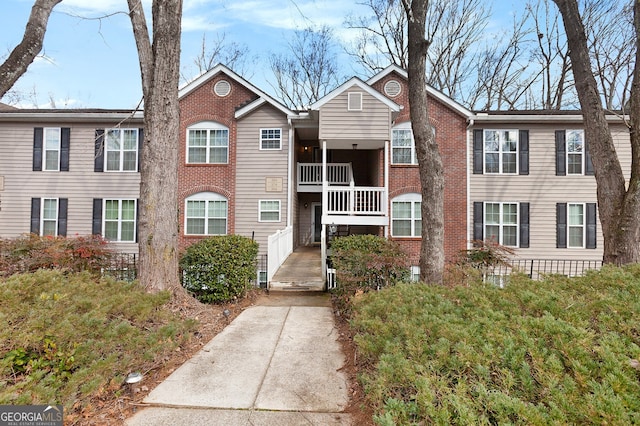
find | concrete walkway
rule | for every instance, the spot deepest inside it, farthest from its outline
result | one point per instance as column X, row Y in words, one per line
column 275, row 364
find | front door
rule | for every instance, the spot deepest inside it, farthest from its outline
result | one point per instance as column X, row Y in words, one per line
column 316, row 222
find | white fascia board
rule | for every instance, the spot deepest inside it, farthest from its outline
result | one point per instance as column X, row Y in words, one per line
column 385, row 72
column 480, row 118
column 355, row 81
column 77, row 117
column 203, row 78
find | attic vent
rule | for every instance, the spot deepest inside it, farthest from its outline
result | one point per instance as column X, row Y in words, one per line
column 392, row 88
column 222, row 88
column 354, row 101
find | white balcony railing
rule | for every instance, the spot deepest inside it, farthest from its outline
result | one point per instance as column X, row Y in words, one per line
column 310, row 174
column 357, row 200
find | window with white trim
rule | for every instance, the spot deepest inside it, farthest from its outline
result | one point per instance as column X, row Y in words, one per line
column 575, row 223
column 575, row 150
column 207, row 143
column 270, row 139
column 121, row 150
column 501, row 151
column 49, row 217
column 414, row 272
column 51, row 148
column 206, row 214
column 406, row 216
column 269, row 211
column 501, row 223
column 119, row 220
column 403, row 147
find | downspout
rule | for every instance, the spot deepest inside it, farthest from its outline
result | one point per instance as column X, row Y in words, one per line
column 468, row 145
column 290, row 175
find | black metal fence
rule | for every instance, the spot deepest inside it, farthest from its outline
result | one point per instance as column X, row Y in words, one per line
column 537, row 268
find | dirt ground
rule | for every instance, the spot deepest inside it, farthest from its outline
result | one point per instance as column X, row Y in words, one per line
column 117, row 403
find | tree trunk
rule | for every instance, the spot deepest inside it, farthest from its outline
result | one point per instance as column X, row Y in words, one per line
column 24, row 53
column 618, row 207
column 158, row 220
column 429, row 160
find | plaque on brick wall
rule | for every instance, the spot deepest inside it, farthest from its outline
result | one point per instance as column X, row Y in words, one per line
column 273, row 184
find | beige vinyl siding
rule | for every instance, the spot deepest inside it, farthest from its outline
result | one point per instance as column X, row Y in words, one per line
column 542, row 189
column 337, row 122
column 254, row 166
column 80, row 184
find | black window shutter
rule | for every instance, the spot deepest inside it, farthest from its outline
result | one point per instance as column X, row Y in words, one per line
column 591, row 225
column 478, row 221
column 524, row 225
column 561, row 152
column 140, row 144
column 63, row 204
column 524, row 152
column 35, row 216
column 65, row 142
column 96, row 228
column 588, row 165
column 37, row 149
column 478, row 151
column 561, row 225
column 137, row 217
column 99, row 151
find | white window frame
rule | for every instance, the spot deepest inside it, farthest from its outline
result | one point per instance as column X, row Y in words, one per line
column 403, row 127
column 583, row 225
column 576, row 153
column 46, row 149
column 121, row 151
column 414, row 273
column 501, row 224
column 120, row 219
column 501, row 152
column 354, row 98
column 206, row 197
column 412, row 198
column 262, row 209
column 209, row 127
column 267, row 135
column 44, row 219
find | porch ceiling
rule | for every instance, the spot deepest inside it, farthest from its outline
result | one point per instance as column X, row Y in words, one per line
column 348, row 144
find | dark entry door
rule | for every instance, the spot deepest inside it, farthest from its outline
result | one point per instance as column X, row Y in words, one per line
column 317, row 222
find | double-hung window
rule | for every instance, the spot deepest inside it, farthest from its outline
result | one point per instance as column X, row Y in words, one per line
column 575, row 150
column 403, row 147
column 49, row 216
column 269, row 211
column 52, row 149
column 572, row 155
column 206, row 214
column 121, row 150
column 119, row 220
column 207, row 143
column 576, row 225
column 270, row 139
column 501, row 223
column 501, row 151
column 406, row 216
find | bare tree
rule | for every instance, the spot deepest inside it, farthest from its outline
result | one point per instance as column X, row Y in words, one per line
column 160, row 68
column 309, row 70
column 429, row 159
column 230, row 53
column 24, row 53
column 618, row 202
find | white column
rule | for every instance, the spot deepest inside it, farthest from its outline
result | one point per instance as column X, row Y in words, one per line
column 386, row 186
column 325, row 198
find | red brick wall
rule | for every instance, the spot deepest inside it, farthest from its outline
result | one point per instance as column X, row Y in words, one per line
column 451, row 137
column 203, row 104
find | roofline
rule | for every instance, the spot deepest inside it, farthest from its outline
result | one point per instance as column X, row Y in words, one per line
column 75, row 116
column 203, row 78
column 545, row 117
column 430, row 90
column 364, row 86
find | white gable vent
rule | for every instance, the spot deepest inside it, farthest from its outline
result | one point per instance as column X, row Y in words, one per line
column 392, row 88
column 222, row 88
column 354, row 101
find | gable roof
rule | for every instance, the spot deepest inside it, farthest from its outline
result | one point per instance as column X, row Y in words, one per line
column 355, row 81
column 220, row 68
column 430, row 90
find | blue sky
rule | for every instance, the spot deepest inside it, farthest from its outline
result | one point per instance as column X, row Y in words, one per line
column 92, row 63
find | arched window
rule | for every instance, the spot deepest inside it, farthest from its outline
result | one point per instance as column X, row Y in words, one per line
column 206, row 214
column 406, row 217
column 207, row 143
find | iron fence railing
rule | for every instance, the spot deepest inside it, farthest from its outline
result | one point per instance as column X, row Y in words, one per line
column 537, row 268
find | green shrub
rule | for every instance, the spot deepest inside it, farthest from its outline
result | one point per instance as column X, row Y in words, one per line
column 558, row 351
column 366, row 262
column 32, row 252
column 473, row 266
column 218, row 269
